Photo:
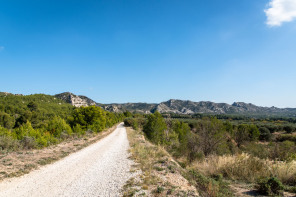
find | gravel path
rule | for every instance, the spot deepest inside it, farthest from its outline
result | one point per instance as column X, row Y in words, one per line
column 101, row 169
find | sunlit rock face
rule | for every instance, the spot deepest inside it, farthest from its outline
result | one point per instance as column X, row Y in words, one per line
column 75, row 100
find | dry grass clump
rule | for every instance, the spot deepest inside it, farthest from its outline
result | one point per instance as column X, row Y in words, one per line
column 285, row 171
column 247, row 168
column 147, row 155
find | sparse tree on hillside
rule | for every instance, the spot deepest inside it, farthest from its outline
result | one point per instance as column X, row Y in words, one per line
column 241, row 134
column 211, row 134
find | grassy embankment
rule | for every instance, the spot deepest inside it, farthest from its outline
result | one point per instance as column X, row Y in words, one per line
column 159, row 174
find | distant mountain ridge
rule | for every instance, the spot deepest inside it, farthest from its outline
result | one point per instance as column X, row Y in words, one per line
column 180, row 107
column 176, row 106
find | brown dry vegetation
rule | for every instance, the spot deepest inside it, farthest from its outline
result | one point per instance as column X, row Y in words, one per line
column 159, row 174
column 22, row 162
column 247, row 168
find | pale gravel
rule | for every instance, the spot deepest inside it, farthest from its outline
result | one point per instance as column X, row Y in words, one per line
column 100, row 169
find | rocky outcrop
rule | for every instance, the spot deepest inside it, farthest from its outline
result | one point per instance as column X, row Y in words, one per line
column 133, row 107
column 7, row 93
column 75, row 100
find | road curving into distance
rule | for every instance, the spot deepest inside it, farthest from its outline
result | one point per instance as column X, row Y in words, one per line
column 100, row 169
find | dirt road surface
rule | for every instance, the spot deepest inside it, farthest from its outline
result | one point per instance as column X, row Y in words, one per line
column 100, row 169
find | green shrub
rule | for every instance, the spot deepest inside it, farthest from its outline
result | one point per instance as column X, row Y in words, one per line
column 5, row 132
column 97, row 126
column 155, row 128
column 8, row 143
column 58, row 125
column 282, row 150
column 289, row 128
column 209, row 186
column 291, row 189
column 6, row 120
column 256, row 149
column 28, row 142
column 26, row 129
column 64, row 135
column 270, row 186
column 265, row 134
column 42, row 142
column 193, row 152
column 128, row 121
column 181, row 129
column 135, row 123
column 254, row 132
column 159, row 189
column 285, row 137
column 78, row 130
column 90, row 117
column 245, row 132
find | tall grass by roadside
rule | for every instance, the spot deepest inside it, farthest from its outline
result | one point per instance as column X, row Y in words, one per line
column 158, row 170
column 245, row 167
column 145, row 155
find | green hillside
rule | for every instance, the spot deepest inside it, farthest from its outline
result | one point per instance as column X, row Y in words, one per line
column 36, row 121
column 38, row 109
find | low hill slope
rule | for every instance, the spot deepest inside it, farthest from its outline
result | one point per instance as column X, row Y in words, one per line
column 29, row 105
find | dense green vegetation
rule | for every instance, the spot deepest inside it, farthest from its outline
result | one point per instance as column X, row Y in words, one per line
column 37, row 121
column 237, row 149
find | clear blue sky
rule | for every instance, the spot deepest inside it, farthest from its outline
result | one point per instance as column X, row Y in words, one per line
column 149, row 50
